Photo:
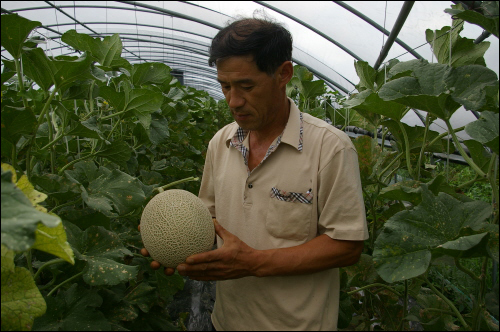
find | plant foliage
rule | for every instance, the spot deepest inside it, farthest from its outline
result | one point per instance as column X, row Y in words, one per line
column 85, row 141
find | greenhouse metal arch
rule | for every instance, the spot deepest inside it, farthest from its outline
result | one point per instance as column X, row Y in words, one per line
column 414, row 85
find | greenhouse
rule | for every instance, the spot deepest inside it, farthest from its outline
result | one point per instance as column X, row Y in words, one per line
column 109, row 104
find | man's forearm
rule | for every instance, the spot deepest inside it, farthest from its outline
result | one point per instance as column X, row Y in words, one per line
column 316, row 255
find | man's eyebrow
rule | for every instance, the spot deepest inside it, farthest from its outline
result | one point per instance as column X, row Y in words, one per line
column 242, row 81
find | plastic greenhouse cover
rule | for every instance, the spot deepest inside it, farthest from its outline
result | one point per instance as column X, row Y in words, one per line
column 179, row 34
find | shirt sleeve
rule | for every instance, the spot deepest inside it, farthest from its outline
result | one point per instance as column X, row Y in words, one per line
column 207, row 192
column 341, row 208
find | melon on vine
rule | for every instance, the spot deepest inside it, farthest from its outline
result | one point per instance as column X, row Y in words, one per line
column 176, row 224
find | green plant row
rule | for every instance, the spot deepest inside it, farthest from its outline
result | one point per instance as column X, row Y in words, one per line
column 85, row 141
column 425, row 225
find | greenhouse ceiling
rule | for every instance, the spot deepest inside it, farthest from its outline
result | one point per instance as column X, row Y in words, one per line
column 328, row 36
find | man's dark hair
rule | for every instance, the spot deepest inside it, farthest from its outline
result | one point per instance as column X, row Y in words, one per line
column 268, row 42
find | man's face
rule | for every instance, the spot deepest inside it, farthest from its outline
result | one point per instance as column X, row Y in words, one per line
column 252, row 95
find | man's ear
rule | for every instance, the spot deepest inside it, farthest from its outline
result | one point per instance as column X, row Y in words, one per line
column 285, row 72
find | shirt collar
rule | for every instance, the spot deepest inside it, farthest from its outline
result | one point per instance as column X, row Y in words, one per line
column 292, row 135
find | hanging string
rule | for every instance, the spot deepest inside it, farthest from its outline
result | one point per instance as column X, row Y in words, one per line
column 383, row 34
column 74, row 13
column 433, row 42
column 57, row 21
column 137, row 30
column 449, row 136
column 163, row 32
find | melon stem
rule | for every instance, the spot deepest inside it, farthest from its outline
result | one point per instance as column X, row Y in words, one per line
column 171, row 184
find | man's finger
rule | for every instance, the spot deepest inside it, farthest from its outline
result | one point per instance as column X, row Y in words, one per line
column 145, row 252
column 219, row 230
column 155, row 265
column 169, row 271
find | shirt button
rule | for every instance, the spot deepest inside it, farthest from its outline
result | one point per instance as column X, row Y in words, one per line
column 250, row 186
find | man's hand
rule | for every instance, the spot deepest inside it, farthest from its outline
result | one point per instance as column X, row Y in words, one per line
column 155, row 265
column 231, row 261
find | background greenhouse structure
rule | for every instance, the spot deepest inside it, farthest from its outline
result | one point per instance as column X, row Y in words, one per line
column 63, row 147
column 328, row 36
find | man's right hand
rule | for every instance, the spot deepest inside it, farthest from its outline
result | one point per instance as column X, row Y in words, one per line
column 155, row 265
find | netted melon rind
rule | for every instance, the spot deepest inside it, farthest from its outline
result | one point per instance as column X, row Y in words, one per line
column 176, row 224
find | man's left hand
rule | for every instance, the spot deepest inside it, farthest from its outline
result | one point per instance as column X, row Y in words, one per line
column 231, row 261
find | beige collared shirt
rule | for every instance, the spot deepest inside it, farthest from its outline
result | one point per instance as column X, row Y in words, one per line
column 307, row 185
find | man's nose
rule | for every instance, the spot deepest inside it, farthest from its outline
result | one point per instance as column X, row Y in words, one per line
column 235, row 100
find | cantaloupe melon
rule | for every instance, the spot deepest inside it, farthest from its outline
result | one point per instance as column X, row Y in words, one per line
column 176, row 224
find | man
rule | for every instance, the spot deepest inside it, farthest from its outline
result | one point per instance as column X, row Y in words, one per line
column 285, row 190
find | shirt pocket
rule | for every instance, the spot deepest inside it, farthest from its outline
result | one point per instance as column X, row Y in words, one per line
column 289, row 214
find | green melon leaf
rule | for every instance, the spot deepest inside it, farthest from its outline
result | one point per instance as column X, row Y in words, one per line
column 409, row 239
column 485, row 130
column 38, row 67
column 74, row 309
column 15, row 30
column 169, row 285
column 143, row 296
column 123, row 191
column 102, row 271
column 103, row 252
column 158, row 130
column 473, row 86
column 369, row 101
column 479, row 155
column 150, row 73
column 73, row 126
column 53, row 240
column 366, row 75
column 19, row 217
column 463, row 50
column 424, row 90
column 107, row 52
column 117, row 151
column 487, row 20
column 21, row 299
column 16, row 122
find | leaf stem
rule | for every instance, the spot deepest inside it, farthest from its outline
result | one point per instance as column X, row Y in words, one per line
column 440, row 136
column 54, row 141
column 494, row 186
column 446, row 312
column 64, row 282
column 405, row 304
column 171, row 184
column 424, row 144
column 374, row 217
column 61, row 171
column 113, row 115
column 65, row 204
column 35, row 130
column 407, row 145
column 375, row 285
column 447, row 301
column 462, row 151
column 28, row 261
column 114, row 127
column 480, row 299
column 466, row 270
column 47, row 264
column 390, row 165
column 51, row 137
column 20, row 81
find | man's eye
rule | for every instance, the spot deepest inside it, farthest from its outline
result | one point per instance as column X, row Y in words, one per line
column 247, row 87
